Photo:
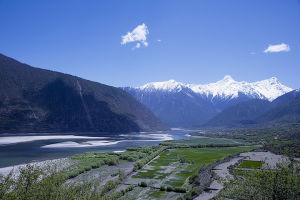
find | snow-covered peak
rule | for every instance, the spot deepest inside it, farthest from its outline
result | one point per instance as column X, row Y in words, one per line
column 227, row 88
column 227, row 78
column 270, row 88
column 170, row 85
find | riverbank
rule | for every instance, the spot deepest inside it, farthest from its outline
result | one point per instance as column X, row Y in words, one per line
column 23, row 149
column 59, row 164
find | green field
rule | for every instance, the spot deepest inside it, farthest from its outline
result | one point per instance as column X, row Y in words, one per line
column 157, row 194
column 250, row 164
column 207, row 141
column 191, row 161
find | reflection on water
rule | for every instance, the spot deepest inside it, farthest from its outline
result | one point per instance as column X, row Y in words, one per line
column 42, row 147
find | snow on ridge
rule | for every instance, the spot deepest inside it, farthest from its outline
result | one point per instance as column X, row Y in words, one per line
column 169, row 85
column 268, row 89
column 271, row 88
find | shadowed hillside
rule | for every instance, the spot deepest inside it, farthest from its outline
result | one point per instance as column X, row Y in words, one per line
column 283, row 110
column 38, row 100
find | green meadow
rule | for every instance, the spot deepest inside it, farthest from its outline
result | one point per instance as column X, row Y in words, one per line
column 186, row 162
column 250, row 164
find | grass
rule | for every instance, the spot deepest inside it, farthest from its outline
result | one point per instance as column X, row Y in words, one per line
column 250, row 164
column 157, row 194
column 206, row 141
column 195, row 159
column 92, row 160
column 151, row 174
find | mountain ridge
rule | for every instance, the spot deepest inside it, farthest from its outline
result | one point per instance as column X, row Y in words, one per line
column 284, row 109
column 226, row 88
column 201, row 102
column 39, row 100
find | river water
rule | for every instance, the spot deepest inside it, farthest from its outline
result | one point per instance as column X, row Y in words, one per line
column 26, row 148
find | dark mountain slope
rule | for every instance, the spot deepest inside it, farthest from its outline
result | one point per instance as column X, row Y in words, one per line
column 286, row 98
column 176, row 109
column 38, row 100
column 286, row 110
column 240, row 114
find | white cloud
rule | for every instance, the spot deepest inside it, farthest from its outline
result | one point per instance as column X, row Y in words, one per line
column 158, row 40
column 139, row 34
column 138, row 45
column 277, row 48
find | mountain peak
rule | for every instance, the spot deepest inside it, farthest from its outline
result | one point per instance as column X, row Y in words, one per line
column 171, row 81
column 274, row 80
column 170, row 85
column 228, row 78
column 226, row 88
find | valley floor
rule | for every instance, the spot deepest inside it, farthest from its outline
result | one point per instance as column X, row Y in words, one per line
column 185, row 169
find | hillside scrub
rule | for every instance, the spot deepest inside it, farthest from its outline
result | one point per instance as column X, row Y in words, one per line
column 282, row 183
column 91, row 160
column 34, row 183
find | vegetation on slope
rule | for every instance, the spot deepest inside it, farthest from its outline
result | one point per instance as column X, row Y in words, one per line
column 240, row 114
column 34, row 183
column 282, row 183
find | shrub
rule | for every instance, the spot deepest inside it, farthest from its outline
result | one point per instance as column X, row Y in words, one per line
column 183, row 159
column 194, row 179
column 143, row 184
column 129, row 188
column 169, row 189
column 180, row 190
column 188, row 196
column 162, row 188
column 195, row 191
column 121, row 175
column 110, row 185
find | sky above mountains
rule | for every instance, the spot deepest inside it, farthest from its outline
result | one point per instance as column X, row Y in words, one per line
column 130, row 43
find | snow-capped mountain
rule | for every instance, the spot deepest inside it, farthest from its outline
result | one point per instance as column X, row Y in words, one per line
column 184, row 105
column 268, row 89
column 284, row 109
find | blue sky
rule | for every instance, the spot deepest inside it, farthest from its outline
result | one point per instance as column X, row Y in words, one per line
column 189, row 41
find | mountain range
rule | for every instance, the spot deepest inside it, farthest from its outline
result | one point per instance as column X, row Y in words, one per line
column 191, row 105
column 39, row 100
column 284, row 109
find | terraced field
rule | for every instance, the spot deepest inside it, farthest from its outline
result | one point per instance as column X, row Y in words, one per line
column 173, row 168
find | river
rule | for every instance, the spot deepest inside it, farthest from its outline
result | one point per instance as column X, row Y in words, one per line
column 27, row 148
